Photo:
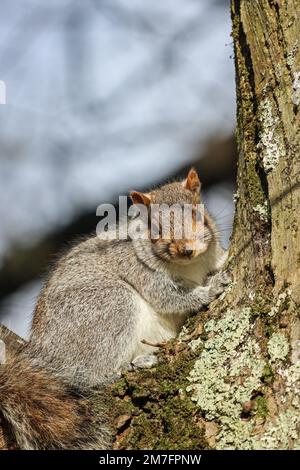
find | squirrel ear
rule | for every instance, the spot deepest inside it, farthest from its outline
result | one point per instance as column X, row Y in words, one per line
column 140, row 198
column 192, row 182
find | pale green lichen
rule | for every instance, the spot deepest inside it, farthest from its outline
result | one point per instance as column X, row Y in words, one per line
column 292, row 383
column 184, row 332
column 271, row 141
column 278, row 347
column 227, row 355
column 296, row 89
column 262, row 210
column 251, row 295
column 229, row 370
column 281, row 299
column 228, row 373
column 236, row 196
column 235, row 435
column 290, row 59
column 195, row 343
column 293, row 380
column 282, row 433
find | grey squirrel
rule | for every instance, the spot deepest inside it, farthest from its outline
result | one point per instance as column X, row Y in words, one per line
column 103, row 309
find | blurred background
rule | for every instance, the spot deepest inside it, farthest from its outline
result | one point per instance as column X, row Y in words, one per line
column 102, row 97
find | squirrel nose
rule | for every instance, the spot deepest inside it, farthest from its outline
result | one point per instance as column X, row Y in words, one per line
column 187, row 252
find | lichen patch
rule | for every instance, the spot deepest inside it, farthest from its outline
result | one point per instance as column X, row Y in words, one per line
column 296, row 89
column 278, row 347
column 262, row 210
column 229, row 379
column 226, row 374
column 271, row 142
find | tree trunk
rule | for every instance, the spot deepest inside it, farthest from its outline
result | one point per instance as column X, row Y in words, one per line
column 231, row 380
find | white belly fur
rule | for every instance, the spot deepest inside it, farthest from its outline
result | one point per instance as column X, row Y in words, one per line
column 154, row 327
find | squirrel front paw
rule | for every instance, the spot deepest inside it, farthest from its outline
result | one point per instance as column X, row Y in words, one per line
column 217, row 283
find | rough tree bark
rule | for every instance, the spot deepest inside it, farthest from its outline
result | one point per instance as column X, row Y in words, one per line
column 231, row 380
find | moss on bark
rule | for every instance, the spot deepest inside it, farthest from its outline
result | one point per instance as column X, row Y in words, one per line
column 151, row 409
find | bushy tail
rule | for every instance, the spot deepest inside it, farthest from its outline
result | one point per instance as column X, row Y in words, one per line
column 41, row 412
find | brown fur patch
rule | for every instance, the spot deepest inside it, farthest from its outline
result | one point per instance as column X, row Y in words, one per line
column 43, row 413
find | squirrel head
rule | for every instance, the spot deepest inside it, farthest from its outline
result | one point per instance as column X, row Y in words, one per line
column 172, row 243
